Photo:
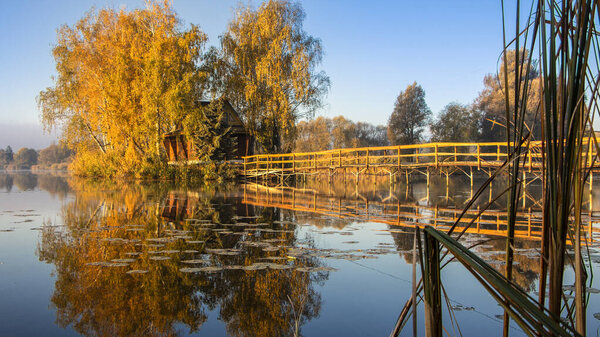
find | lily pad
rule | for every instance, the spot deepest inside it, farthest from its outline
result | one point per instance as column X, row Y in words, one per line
column 115, row 264
column 209, row 269
column 114, row 240
column 212, row 269
column 190, row 270
column 195, row 261
column 159, row 258
column 315, row 269
column 276, row 266
column 162, row 240
column 123, row 260
column 224, row 251
column 256, row 266
column 234, row 267
column 275, row 258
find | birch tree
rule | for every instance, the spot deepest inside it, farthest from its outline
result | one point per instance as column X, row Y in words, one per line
column 122, row 79
column 267, row 67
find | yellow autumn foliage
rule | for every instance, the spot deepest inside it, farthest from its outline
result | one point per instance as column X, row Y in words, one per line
column 123, row 79
column 267, row 67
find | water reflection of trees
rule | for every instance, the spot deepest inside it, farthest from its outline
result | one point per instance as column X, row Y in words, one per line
column 25, row 181
column 55, row 185
column 6, row 182
column 109, row 224
column 254, row 304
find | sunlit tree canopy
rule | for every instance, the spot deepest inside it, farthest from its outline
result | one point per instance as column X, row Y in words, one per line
column 122, row 79
column 267, row 67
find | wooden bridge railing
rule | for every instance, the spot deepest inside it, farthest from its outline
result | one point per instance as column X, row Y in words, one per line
column 479, row 155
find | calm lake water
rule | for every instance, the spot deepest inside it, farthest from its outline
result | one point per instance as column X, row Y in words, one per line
column 94, row 259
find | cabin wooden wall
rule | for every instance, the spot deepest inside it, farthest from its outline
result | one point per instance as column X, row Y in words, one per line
column 179, row 149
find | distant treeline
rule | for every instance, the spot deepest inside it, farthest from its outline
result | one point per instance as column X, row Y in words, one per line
column 338, row 132
column 54, row 157
column 483, row 120
column 411, row 121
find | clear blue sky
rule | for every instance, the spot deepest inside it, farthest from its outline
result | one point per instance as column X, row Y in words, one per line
column 373, row 50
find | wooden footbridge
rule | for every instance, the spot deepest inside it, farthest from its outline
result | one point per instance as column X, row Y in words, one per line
column 445, row 158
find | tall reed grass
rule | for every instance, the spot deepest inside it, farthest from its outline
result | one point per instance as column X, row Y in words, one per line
column 563, row 36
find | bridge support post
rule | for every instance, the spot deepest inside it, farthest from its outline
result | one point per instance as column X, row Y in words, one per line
column 427, row 173
column 524, row 189
column 471, row 178
column 497, row 152
column 244, row 168
column 478, row 157
column 491, row 186
column 447, row 183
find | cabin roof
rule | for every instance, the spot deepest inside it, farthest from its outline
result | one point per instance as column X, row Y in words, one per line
column 232, row 119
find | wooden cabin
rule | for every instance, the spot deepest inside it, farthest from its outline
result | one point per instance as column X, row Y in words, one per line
column 180, row 150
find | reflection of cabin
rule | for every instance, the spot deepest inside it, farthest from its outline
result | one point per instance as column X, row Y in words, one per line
column 179, row 206
column 179, row 149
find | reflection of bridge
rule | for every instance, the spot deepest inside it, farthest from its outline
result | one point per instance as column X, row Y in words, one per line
column 395, row 160
column 491, row 222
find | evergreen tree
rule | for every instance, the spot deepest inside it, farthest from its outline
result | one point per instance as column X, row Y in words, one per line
column 205, row 127
column 9, row 154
